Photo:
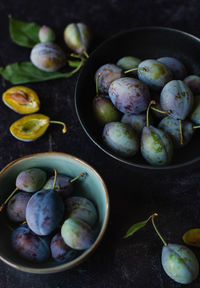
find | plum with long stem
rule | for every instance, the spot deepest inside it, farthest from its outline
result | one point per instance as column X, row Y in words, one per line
column 30, row 180
column 181, row 132
column 108, row 73
column 156, row 145
column 178, row 261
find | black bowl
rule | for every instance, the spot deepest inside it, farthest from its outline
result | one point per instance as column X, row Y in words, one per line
column 145, row 43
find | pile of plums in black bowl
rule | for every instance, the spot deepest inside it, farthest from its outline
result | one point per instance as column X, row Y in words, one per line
column 137, row 98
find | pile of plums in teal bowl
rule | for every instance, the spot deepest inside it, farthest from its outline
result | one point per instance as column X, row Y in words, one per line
column 137, row 98
column 54, row 212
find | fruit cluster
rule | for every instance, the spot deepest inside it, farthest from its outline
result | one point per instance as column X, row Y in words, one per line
column 49, row 220
column 160, row 85
column 46, row 57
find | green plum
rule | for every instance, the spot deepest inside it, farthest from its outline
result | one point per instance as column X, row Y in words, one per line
column 154, row 73
column 129, row 62
column 81, row 208
column 121, row 138
column 180, row 263
column 46, row 34
column 104, row 110
column 193, row 82
column 77, row 234
column 77, row 36
column 195, row 115
column 156, row 146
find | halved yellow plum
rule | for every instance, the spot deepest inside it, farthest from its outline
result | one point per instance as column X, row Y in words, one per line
column 21, row 99
column 31, row 127
column 192, row 237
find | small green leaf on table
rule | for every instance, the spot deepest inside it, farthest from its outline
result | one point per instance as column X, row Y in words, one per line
column 136, row 227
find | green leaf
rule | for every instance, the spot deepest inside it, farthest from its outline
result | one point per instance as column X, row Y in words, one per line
column 26, row 72
column 73, row 64
column 136, row 227
column 23, row 33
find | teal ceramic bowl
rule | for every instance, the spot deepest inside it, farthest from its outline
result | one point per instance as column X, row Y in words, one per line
column 91, row 186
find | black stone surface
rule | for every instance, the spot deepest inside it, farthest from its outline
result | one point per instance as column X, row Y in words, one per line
column 134, row 195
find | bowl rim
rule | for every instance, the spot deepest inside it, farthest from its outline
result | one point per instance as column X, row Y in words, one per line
column 84, row 255
column 101, row 146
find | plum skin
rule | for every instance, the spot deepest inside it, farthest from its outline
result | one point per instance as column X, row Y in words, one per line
column 177, row 68
column 104, row 110
column 177, row 97
column 31, row 180
column 77, row 234
column 60, row 251
column 156, row 146
column 29, row 245
column 16, row 208
column 195, row 115
column 121, row 138
column 108, row 73
column 193, row 82
column 180, row 263
column 136, row 121
column 154, row 73
column 44, row 212
column 47, row 56
column 81, row 208
column 172, row 127
column 129, row 95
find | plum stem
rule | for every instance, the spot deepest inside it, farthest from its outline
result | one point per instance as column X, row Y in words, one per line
column 161, row 111
column 86, row 54
column 97, row 84
column 6, row 201
column 135, row 69
column 154, row 226
column 77, row 56
column 196, row 127
column 77, row 177
column 152, row 102
column 55, row 178
column 64, row 130
column 76, row 69
column 181, row 131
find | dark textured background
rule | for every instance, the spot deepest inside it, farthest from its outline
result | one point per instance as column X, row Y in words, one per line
column 134, row 195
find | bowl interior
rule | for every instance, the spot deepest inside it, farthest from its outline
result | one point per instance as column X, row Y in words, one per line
column 145, row 43
column 91, row 186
